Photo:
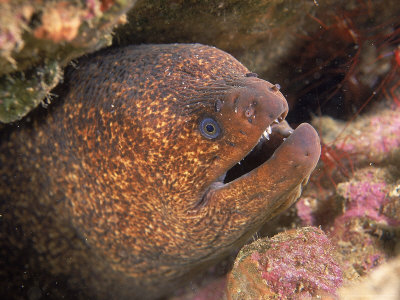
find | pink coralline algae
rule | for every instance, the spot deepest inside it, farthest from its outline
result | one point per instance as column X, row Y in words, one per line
column 365, row 199
column 289, row 271
column 385, row 130
column 305, row 211
column 368, row 211
column 372, row 137
column 292, row 265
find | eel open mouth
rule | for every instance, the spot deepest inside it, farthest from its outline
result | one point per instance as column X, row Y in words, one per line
column 270, row 140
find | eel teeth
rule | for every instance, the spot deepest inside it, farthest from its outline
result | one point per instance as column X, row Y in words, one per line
column 267, row 132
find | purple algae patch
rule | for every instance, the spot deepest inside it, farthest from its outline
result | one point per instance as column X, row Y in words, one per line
column 302, row 265
column 366, row 199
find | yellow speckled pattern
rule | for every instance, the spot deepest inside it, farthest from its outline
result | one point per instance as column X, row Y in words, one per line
column 112, row 194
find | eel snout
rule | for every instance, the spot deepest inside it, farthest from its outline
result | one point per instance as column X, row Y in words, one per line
column 296, row 157
column 301, row 150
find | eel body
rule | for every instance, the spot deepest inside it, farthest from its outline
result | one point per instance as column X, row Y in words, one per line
column 127, row 185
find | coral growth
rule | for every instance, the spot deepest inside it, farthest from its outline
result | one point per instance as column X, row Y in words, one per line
column 20, row 93
column 370, row 139
column 291, row 265
column 41, row 37
column 362, row 233
column 358, row 230
column 365, row 199
column 364, row 207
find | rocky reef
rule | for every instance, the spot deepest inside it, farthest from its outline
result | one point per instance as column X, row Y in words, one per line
column 297, row 263
column 38, row 39
column 381, row 284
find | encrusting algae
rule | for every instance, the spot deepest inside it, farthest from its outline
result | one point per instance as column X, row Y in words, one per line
column 118, row 190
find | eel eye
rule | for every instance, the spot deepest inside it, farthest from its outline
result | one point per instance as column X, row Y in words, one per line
column 209, row 128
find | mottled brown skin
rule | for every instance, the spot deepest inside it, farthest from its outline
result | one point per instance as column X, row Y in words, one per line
column 115, row 190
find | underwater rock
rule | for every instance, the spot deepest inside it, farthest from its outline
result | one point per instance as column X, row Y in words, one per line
column 293, row 264
column 372, row 138
column 365, row 196
column 21, row 93
column 38, row 39
column 354, row 192
column 212, row 289
column 370, row 141
column 383, row 283
column 365, row 233
column 260, row 32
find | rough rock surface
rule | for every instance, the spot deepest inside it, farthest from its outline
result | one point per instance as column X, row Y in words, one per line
column 291, row 265
column 39, row 38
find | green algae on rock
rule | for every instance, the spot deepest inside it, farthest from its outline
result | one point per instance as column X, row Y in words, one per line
column 118, row 190
column 19, row 95
column 43, row 37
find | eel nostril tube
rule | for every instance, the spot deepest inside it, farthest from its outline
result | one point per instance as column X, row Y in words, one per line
column 250, row 111
column 276, row 87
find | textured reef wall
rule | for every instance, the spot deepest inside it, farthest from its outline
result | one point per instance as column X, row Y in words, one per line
column 39, row 38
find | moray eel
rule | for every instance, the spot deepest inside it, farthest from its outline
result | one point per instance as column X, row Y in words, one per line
column 127, row 185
